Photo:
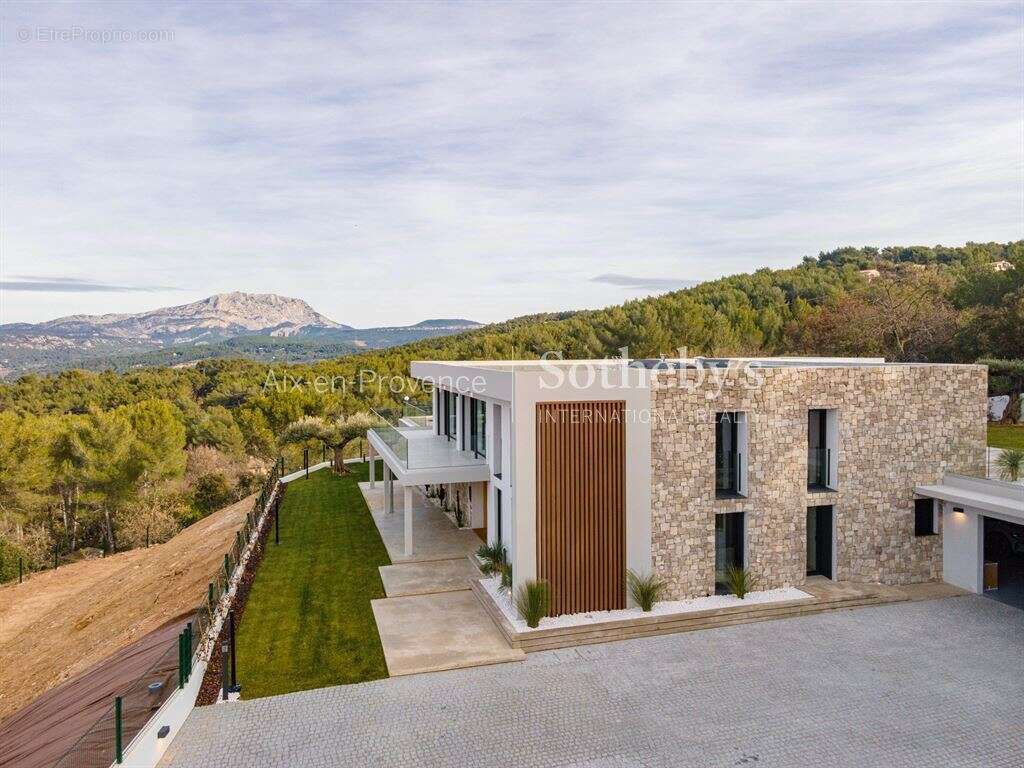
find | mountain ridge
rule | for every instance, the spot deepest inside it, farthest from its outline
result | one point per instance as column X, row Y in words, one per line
column 216, row 326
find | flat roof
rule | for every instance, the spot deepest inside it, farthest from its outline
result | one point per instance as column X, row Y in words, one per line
column 989, row 496
column 679, row 362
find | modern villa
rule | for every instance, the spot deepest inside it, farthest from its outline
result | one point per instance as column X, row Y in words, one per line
column 787, row 467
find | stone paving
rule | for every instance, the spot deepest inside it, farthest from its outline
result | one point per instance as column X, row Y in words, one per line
column 935, row 683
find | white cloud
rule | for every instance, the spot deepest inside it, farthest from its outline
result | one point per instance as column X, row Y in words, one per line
column 399, row 161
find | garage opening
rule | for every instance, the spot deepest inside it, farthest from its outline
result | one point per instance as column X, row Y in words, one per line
column 1003, row 567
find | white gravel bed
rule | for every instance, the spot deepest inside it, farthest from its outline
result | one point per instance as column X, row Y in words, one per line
column 663, row 608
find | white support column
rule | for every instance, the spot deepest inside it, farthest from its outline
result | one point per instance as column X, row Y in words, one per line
column 388, row 490
column 408, row 520
column 372, row 456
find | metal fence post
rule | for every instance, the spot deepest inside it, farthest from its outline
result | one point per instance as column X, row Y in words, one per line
column 231, row 637
column 55, row 552
column 188, row 651
column 181, row 660
column 118, row 751
column 305, row 460
column 21, row 569
column 224, row 669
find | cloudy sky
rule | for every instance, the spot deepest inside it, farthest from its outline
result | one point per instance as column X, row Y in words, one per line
column 391, row 162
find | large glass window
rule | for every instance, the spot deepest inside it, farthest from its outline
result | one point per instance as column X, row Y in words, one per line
column 817, row 449
column 497, row 440
column 819, row 541
column 478, row 427
column 448, row 413
column 728, row 547
column 727, row 453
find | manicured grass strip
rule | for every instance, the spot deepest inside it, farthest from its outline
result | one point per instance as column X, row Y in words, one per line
column 1006, row 436
column 308, row 622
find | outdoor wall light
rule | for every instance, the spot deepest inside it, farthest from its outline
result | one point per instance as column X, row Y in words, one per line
column 164, row 730
column 154, row 687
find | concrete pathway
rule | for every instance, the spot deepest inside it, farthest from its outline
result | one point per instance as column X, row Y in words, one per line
column 431, row 633
column 427, row 578
column 434, row 536
column 931, row 684
column 430, row 620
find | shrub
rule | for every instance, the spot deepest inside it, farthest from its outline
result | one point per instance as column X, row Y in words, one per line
column 737, row 580
column 506, row 577
column 533, row 599
column 212, row 491
column 156, row 516
column 10, row 553
column 248, row 483
column 645, row 590
column 492, row 555
column 1011, row 464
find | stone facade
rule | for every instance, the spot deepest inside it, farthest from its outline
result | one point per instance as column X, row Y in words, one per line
column 898, row 426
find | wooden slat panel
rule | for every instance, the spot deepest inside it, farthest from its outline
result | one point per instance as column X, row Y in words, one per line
column 581, row 504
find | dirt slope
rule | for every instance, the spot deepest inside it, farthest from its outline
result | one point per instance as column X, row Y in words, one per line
column 60, row 623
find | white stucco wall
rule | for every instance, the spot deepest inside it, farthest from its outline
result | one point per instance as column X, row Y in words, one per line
column 622, row 383
column 962, row 547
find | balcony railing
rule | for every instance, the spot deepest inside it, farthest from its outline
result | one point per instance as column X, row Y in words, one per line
column 408, row 416
column 728, row 466
column 818, row 467
column 395, row 440
column 421, row 449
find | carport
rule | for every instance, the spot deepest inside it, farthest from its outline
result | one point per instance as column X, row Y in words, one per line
column 982, row 535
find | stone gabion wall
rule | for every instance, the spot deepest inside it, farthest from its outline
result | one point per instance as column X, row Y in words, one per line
column 899, row 426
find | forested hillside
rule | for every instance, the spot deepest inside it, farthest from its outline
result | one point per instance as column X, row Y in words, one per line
column 107, row 459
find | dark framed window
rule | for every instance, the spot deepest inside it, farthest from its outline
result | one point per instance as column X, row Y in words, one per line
column 819, row 541
column 497, row 440
column 728, row 546
column 727, row 453
column 478, row 427
column 448, row 403
column 924, row 517
column 818, row 457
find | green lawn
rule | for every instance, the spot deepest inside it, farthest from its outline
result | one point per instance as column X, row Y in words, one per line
column 1006, row 436
column 308, row 622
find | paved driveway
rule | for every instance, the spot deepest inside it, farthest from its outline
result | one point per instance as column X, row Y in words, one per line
column 936, row 683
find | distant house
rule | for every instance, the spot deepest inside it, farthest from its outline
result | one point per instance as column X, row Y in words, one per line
column 1001, row 266
column 870, row 274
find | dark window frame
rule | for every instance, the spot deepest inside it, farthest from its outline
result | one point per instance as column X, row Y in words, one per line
column 732, row 527
column 449, row 414
column 820, row 480
column 732, row 485
column 924, row 518
column 478, row 427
